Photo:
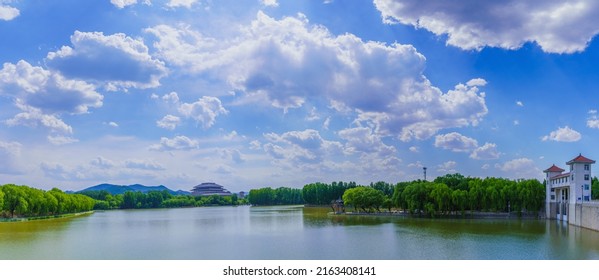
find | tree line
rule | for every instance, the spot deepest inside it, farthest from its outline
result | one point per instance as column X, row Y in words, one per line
column 449, row 194
column 24, row 201
column 278, row 196
column 157, row 199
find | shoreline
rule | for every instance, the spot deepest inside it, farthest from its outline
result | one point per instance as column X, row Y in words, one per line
column 467, row 215
column 27, row 219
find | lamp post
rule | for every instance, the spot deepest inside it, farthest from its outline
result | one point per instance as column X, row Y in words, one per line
column 424, row 169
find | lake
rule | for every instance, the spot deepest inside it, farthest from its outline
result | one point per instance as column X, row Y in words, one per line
column 289, row 232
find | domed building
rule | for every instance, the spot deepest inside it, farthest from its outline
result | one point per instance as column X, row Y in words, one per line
column 208, row 189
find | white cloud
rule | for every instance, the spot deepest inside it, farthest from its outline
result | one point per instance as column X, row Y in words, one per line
column 448, row 167
column 563, row 134
column 102, row 162
column 270, row 3
column 181, row 3
column 455, row 142
column 519, row 103
column 520, row 168
column 287, row 63
column 486, row 151
column 176, row 143
column 49, row 92
column 34, row 117
column 143, row 164
column 169, row 122
column 172, row 97
column 416, row 164
column 116, row 60
column 123, row 3
column 204, row 111
column 516, row 122
column 363, row 140
column 593, row 121
column 113, row 124
column 233, row 155
column 8, row 13
column 556, row 26
column 485, row 166
column 414, row 149
column 61, row 140
column 300, row 148
column 10, row 153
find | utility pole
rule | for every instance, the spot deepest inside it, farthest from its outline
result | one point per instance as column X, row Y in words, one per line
column 424, row 169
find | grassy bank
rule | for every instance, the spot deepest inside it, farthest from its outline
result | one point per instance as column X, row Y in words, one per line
column 25, row 219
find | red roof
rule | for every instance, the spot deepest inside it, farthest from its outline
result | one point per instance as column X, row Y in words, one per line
column 580, row 159
column 553, row 168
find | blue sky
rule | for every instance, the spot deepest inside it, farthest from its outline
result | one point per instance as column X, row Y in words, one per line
column 282, row 93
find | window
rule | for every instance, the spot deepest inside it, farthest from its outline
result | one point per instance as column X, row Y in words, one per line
column 586, row 177
column 586, row 167
column 552, row 197
column 586, row 198
column 586, row 187
column 572, row 177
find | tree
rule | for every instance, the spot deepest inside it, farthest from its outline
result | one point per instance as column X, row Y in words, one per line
column 595, row 188
column 365, row 198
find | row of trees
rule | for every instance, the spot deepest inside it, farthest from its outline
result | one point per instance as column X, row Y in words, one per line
column 279, row 196
column 323, row 194
column 156, row 199
column 489, row 194
column 23, row 201
column 452, row 193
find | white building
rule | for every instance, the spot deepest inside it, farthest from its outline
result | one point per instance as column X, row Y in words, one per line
column 565, row 190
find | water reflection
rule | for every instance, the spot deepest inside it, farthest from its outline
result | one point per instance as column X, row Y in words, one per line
column 289, row 232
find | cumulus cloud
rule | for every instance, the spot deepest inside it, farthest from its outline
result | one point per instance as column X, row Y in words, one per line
column 204, row 111
column 556, row 26
column 563, row 134
column 176, row 143
column 169, row 122
column 181, row 3
column 8, row 13
column 519, row 103
column 520, row 168
column 486, row 151
column 34, row 117
column 233, row 155
column 270, row 3
column 113, row 124
column 414, row 149
column 123, row 3
column 49, row 92
column 289, row 62
column 459, row 143
column 363, row 140
column 101, row 162
column 448, row 167
column 9, row 153
column 592, row 120
column 455, row 142
column 116, row 60
column 300, row 147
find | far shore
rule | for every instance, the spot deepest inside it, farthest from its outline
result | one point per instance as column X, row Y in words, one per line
column 25, row 219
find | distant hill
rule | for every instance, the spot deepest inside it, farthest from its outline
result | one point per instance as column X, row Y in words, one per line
column 118, row 189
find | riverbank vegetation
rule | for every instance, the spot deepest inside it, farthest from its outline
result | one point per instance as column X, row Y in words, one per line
column 446, row 195
column 278, row 196
column 24, row 202
column 157, row 199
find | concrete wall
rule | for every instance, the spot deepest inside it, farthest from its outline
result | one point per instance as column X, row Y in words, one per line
column 587, row 215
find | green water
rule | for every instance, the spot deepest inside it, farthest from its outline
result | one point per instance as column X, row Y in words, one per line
column 288, row 232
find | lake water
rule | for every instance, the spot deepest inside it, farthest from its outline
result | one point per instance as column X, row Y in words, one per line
column 288, row 232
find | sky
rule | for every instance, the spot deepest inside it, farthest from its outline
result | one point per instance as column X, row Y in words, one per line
column 270, row 93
